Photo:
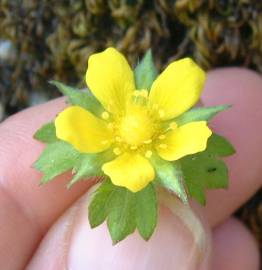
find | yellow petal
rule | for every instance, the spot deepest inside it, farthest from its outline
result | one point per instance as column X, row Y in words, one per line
column 110, row 79
column 132, row 171
column 177, row 88
column 83, row 130
column 185, row 140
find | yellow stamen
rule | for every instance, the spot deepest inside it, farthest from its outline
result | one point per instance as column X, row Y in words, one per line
column 163, row 146
column 173, row 125
column 136, row 127
column 148, row 141
column 111, row 126
column 136, row 93
column 144, row 93
column 162, row 137
column 133, row 147
column 148, row 154
column 161, row 113
column 155, row 106
column 117, row 151
column 118, row 139
column 105, row 115
column 141, row 93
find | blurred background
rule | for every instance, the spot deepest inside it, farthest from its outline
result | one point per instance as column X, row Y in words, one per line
column 51, row 39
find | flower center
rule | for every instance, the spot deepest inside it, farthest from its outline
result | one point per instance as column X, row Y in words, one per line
column 136, row 127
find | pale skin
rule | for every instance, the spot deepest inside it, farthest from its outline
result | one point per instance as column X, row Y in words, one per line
column 28, row 211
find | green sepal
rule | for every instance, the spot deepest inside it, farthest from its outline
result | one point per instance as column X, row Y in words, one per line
column 199, row 114
column 170, row 176
column 145, row 72
column 81, row 98
column 46, row 134
column 124, row 210
column 57, row 158
column 205, row 170
column 88, row 165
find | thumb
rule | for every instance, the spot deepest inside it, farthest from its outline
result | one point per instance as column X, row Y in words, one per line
column 72, row 244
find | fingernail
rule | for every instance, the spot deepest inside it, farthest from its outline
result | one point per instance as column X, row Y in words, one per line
column 169, row 247
column 72, row 244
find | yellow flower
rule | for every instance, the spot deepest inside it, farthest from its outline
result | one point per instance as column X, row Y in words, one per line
column 133, row 124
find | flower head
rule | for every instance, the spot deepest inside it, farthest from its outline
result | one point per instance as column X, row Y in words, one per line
column 136, row 124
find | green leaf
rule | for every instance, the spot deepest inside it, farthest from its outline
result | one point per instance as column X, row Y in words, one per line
column 124, row 210
column 201, row 172
column 98, row 208
column 145, row 72
column 121, row 217
column 205, row 170
column 57, row 158
column 146, row 211
column 220, row 146
column 200, row 114
column 46, row 133
column 170, row 176
column 196, row 191
column 80, row 98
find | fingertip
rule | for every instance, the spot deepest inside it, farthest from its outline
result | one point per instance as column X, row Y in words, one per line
column 170, row 246
column 242, row 126
column 234, row 247
column 34, row 206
